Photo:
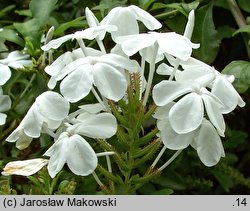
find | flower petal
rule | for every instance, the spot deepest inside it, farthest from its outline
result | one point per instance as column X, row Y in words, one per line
column 124, row 19
column 59, row 64
column 101, row 125
column 32, row 123
column 119, row 61
column 171, row 139
column 57, row 153
column 175, row 45
column 52, row 105
column 5, row 74
column 225, row 91
column 77, row 84
column 187, row 114
column 2, row 118
column 131, row 44
column 214, row 113
column 209, row 146
column 147, row 19
column 24, row 167
column 110, row 82
column 56, row 43
column 81, row 158
column 5, row 103
column 167, row 91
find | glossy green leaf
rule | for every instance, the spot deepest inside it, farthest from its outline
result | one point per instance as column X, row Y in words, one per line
column 241, row 70
column 12, row 36
column 205, row 34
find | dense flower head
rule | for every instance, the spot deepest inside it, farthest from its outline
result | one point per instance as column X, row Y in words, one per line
column 190, row 104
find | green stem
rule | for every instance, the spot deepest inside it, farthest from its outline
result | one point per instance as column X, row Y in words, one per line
column 240, row 20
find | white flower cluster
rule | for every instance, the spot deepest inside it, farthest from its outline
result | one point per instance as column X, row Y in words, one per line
column 190, row 104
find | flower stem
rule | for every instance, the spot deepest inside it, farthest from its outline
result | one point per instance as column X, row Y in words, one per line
column 151, row 75
column 97, row 180
column 170, row 160
column 142, row 76
column 101, row 46
column 158, row 157
column 82, row 46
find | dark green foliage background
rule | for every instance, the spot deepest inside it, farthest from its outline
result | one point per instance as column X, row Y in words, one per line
column 224, row 45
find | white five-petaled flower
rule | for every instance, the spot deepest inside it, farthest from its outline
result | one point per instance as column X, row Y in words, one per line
column 169, row 43
column 73, row 149
column 106, row 72
column 15, row 60
column 125, row 18
column 204, row 139
column 5, row 104
column 48, row 110
column 220, row 84
column 187, row 114
column 24, row 167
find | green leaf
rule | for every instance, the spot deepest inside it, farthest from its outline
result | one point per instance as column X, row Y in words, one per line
column 241, row 71
column 225, row 181
column 5, row 10
column 3, row 46
column 244, row 4
column 11, row 35
column 205, row 34
column 26, row 13
column 42, row 9
column 225, row 31
column 166, row 191
column 74, row 23
column 242, row 29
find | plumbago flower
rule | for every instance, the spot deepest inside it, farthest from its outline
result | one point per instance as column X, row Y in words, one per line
column 125, row 18
column 48, row 111
column 106, row 72
column 204, row 139
column 73, row 149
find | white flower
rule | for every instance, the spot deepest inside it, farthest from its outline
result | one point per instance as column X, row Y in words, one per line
column 125, row 18
column 49, row 110
column 54, row 69
column 204, row 139
column 24, row 167
column 169, row 42
column 220, row 84
column 89, row 33
column 106, row 72
column 15, row 60
column 74, row 150
column 187, row 114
